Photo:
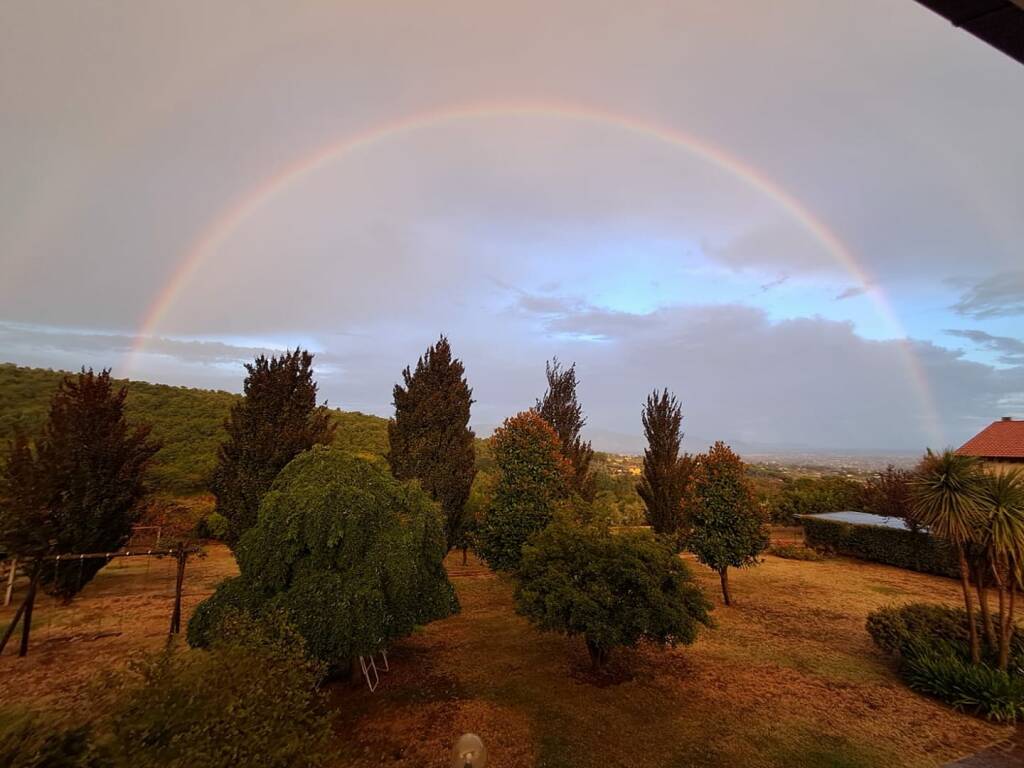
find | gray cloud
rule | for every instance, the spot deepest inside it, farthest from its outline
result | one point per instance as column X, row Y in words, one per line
column 851, row 292
column 999, row 295
column 1009, row 349
column 112, row 172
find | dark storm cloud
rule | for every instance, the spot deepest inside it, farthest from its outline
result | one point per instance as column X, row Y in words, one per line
column 999, row 295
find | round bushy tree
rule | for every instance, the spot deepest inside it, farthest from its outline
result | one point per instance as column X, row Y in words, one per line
column 613, row 589
column 533, row 476
column 728, row 530
column 350, row 555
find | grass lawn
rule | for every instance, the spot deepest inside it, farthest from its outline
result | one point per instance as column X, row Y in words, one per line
column 788, row 677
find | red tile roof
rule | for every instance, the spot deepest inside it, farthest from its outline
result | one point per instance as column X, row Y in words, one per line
column 1001, row 439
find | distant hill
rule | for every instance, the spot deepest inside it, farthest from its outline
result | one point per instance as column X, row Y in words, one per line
column 189, row 423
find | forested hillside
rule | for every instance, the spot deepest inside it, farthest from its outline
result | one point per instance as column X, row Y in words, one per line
column 189, row 423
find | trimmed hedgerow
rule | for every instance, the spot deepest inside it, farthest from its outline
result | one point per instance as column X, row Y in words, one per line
column 931, row 644
column 791, row 552
column 351, row 556
column 913, row 550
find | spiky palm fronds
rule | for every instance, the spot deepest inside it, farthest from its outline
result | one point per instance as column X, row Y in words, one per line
column 947, row 496
column 1002, row 501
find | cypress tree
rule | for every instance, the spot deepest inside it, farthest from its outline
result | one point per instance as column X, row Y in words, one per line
column 666, row 474
column 276, row 420
column 79, row 491
column 560, row 408
column 429, row 437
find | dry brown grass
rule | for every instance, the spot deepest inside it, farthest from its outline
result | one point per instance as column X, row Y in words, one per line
column 787, row 678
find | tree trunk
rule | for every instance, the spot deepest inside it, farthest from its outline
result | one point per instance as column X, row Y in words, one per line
column 965, row 585
column 1006, row 630
column 986, row 615
column 598, row 655
column 723, row 574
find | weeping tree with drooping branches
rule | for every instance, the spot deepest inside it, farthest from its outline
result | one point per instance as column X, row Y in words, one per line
column 351, row 556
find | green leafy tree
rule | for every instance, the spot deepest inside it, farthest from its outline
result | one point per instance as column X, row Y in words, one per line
column 533, row 477
column 560, row 408
column 348, row 554
column 888, row 494
column 614, row 590
column 276, row 420
column 946, row 498
column 79, row 490
column 728, row 529
column 666, row 475
column 430, row 437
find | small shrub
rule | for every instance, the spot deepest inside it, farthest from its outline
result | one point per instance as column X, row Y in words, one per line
column 931, row 644
column 913, row 550
column 614, row 590
column 251, row 700
column 791, row 552
column 29, row 740
column 976, row 688
column 213, row 526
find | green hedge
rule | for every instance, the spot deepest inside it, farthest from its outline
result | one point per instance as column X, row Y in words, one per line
column 913, row 550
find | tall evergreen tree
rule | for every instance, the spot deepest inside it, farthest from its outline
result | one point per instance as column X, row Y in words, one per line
column 560, row 408
column 666, row 475
column 430, row 439
column 79, row 490
column 276, row 420
column 729, row 530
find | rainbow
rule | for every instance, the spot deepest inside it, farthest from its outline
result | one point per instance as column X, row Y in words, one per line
column 230, row 219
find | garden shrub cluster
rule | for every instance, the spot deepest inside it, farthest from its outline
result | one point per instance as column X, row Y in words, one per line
column 931, row 644
column 351, row 556
column 213, row 526
column 251, row 700
column 913, row 550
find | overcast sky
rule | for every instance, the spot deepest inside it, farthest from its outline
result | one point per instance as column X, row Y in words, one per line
column 669, row 194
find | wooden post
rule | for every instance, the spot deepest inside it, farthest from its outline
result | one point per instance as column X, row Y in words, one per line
column 10, row 581
column 30, row 599
column 182, row 556
column 11, row 627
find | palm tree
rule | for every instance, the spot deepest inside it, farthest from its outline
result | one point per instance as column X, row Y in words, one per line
column 1002, row 540
column 946, row 498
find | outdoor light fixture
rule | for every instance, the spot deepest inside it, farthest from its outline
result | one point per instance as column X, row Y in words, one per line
column 469, row 752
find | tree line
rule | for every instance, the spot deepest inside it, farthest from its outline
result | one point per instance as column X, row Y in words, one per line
column 77, row 485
